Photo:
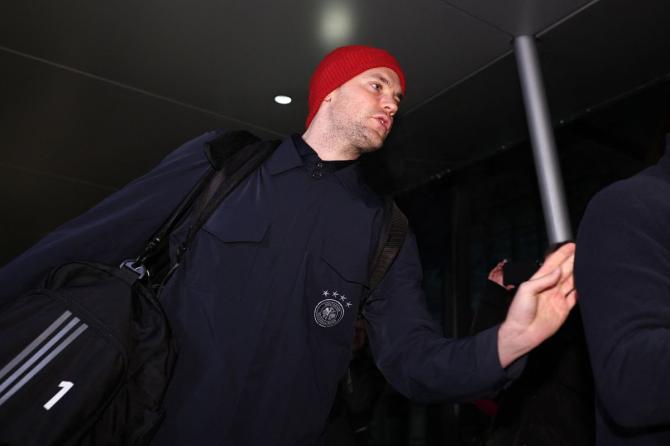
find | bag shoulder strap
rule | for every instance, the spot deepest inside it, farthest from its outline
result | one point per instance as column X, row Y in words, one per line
column 393, row 233
column 219, row 150
column 236, row 168
column 232, row 150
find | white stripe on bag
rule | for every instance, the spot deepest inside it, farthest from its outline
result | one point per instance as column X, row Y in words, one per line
column 13, row 377
column 43, row 363
column 38, row 340
column 31, row 373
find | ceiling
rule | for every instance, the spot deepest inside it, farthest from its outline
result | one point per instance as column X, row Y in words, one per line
column 94, row 94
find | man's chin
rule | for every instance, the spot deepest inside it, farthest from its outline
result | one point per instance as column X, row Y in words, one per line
column 369, row 148
column 370, row 140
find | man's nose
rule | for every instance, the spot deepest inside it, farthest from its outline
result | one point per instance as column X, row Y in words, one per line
column 390, row 105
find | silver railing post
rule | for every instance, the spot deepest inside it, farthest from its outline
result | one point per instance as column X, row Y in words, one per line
column 542, row 138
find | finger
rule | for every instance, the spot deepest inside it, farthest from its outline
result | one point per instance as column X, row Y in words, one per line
column 567, row 282
column 537, row 285
column 567, row 286
column 556, row 259
column 571, row 299
column 568, row 264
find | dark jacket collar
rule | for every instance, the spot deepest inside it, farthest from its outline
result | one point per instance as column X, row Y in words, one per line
column 294, row 152
column 284, row 158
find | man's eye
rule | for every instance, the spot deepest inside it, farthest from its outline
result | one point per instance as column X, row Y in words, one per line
column 376, row 86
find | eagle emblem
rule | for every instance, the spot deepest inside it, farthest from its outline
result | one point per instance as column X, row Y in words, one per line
column 328, row 313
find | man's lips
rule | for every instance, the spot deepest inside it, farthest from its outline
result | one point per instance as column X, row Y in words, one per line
column 385, row 122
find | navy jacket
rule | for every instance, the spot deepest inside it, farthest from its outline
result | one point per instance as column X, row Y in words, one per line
column 264, row 304
column 622, row 272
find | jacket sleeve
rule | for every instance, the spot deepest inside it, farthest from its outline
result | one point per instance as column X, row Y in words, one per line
column 622, row 272
column 410, row 350
column 115, row 229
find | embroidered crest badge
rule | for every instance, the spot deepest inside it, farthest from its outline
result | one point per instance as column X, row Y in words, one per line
column 329, row 312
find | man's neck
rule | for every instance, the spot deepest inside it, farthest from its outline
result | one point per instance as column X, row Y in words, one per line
column 329, row 148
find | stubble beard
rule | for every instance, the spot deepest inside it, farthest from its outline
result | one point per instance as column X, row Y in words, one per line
column 355, row 133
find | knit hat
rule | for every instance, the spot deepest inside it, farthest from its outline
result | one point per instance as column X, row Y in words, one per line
column 342, row 64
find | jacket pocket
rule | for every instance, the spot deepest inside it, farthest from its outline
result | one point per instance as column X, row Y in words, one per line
column 231, row 224
column 226, row 250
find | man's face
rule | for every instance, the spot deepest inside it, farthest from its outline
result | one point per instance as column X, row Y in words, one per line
column 362, row 109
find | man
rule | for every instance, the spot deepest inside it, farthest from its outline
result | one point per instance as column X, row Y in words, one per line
column 623, row 277
column 263, row 306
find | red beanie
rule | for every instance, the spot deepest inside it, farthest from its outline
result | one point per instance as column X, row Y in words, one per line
column 342, row 64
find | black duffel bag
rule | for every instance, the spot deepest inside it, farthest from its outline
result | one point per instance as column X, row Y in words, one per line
column 85, row 358
column 91, row 355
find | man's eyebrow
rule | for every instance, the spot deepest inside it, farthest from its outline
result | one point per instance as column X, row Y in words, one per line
column 382, row 78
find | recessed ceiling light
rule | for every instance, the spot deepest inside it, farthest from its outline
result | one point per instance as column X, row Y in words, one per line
column 336, row 23
column 283, row 100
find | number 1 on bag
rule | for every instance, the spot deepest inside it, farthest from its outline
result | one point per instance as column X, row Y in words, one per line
column 65, row 388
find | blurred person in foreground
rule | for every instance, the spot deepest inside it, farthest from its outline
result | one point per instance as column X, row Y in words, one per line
column 623, row 277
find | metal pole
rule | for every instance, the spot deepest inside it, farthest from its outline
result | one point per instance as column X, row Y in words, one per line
column 542, row 138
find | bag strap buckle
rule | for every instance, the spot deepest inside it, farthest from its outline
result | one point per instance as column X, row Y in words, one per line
column 134, row 266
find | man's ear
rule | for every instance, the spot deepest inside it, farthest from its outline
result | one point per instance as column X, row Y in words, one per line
column 330, row 96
